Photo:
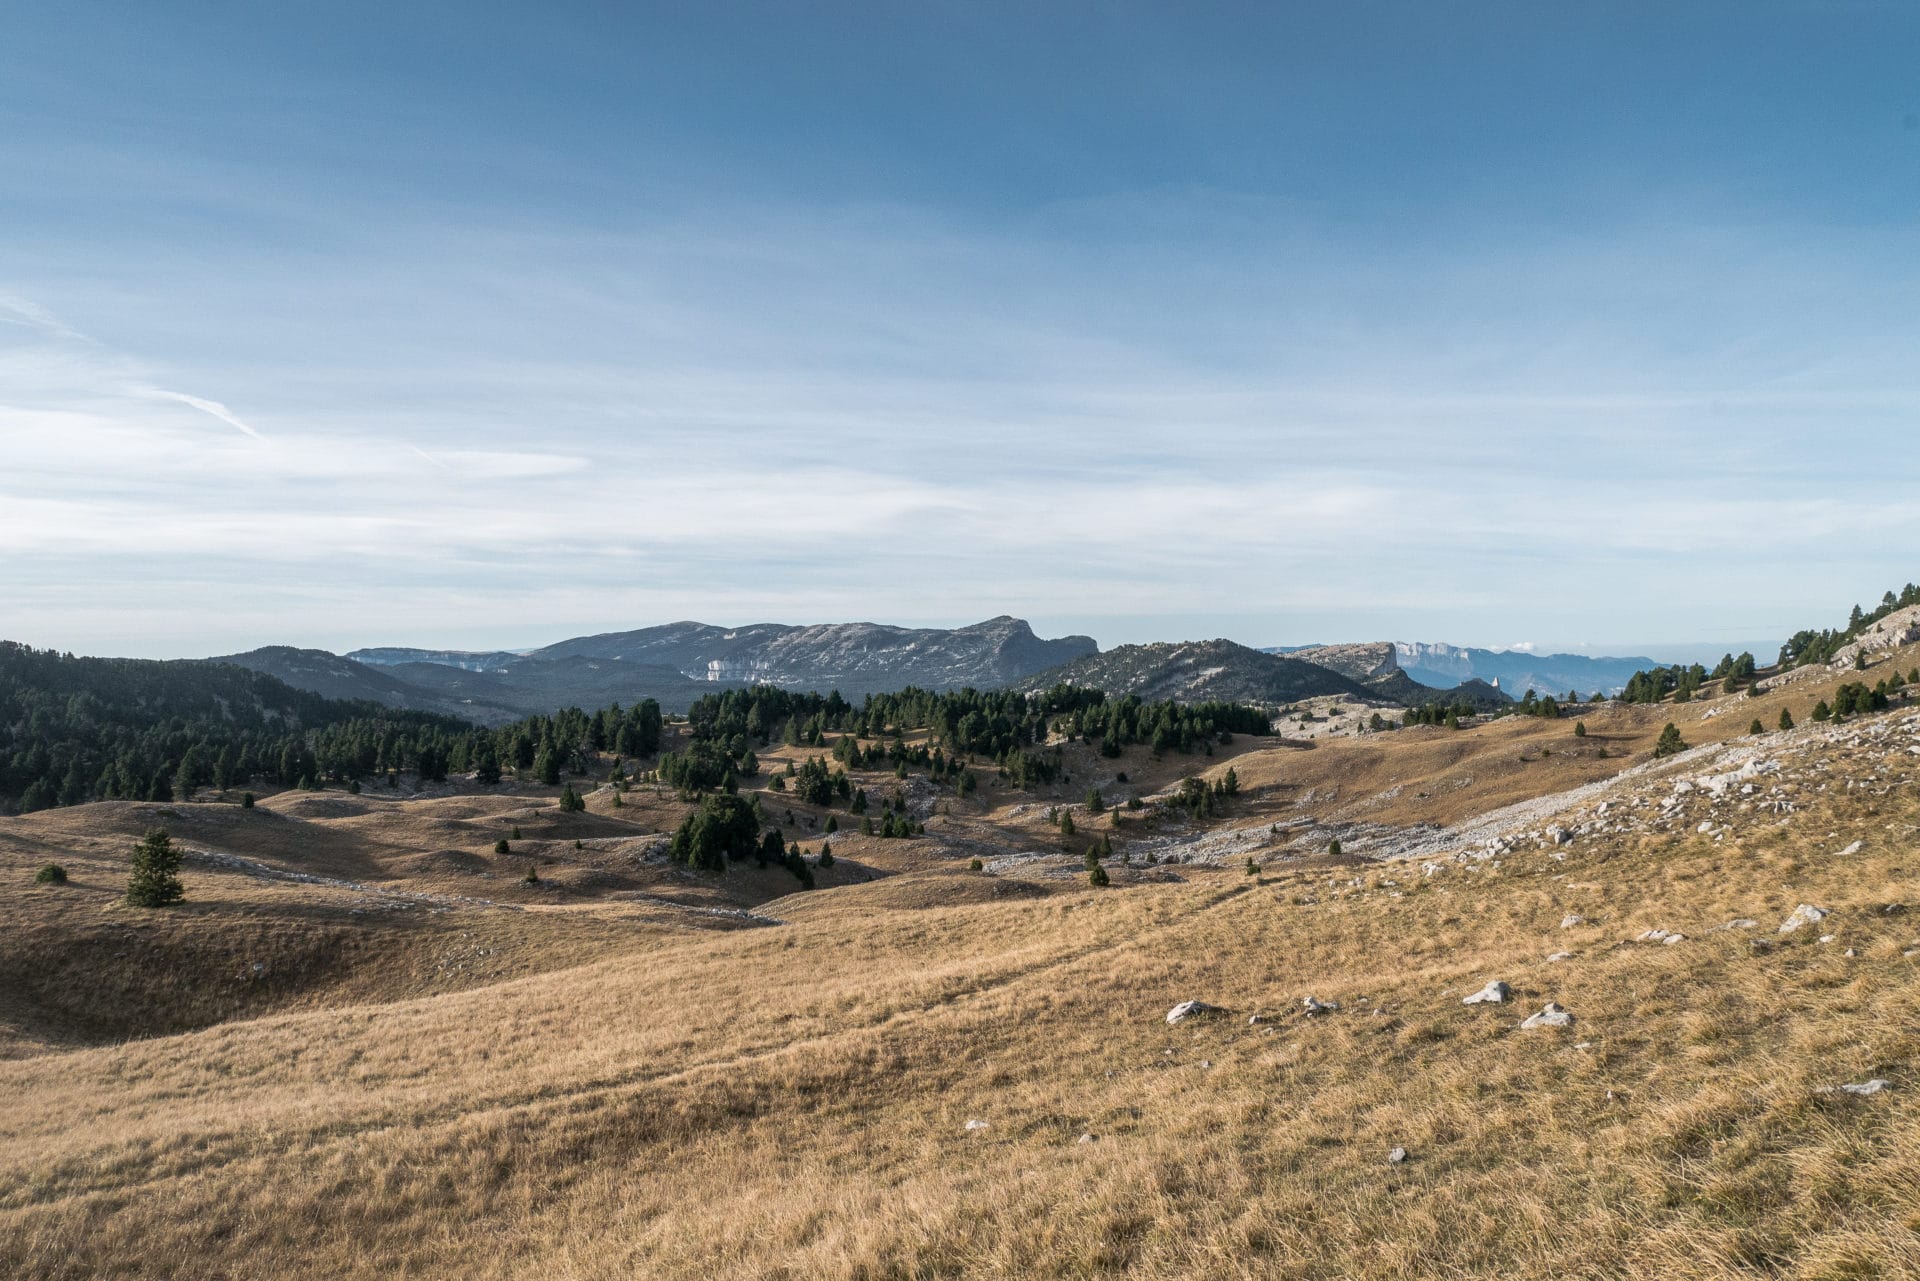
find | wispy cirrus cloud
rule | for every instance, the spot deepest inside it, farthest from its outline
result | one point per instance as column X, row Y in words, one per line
column 213, row 408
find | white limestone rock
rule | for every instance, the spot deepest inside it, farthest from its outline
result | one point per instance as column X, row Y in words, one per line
column 1552, row 1016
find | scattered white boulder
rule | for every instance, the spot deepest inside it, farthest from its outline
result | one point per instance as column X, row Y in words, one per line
column 1191, row 1010
column 1675, row 937
column 1088, row 1138
column 1561, row 956
column 1314, row 1006
column 1803, row 915
column 1492, row 994
column 1572, row 919
column 1397, row 1156
column 1552, row 1016
column 976, row 1124
column 1851, row 849
column 1864, row 1088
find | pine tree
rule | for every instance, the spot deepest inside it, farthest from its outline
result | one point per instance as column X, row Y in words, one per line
column 1579, row 729
column 826, row 854
column 1098, row 877
column 1756, row 727
column 1333, row 847
column 1670, row 742
column 153, row 882
column 1786, row 719
column 570, row 802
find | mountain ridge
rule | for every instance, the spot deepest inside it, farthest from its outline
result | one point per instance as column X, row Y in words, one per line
column 674, row 664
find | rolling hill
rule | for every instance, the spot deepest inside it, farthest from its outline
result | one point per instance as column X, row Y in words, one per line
column 370, row 1044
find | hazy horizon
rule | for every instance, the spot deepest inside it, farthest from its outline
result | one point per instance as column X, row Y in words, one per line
column 1699, row 649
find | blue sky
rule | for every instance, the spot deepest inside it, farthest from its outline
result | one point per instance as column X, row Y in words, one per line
column 481, row 326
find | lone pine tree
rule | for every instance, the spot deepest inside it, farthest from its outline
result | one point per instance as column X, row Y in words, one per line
column 155, row 862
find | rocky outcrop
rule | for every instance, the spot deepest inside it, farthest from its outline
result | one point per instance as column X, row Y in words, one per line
column 1902, row 627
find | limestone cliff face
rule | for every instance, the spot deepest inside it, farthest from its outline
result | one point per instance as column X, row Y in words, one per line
column 1360, row 662
column 855, row 658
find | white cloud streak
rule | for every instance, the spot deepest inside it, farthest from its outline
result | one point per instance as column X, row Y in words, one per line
column 205, row 406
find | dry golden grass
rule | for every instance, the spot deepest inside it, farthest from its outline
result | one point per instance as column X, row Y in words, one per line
column 645, row 1096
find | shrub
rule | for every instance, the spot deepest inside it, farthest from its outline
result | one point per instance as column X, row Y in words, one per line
column 51, row 874
column 1253, row 868
column 501, row 847
column 975, row 865
column 1098, row 877
column 155, row 862
column 1333, row 847
column 801, row 872
column 246, row 800
column 515, row 833
column 533, row 874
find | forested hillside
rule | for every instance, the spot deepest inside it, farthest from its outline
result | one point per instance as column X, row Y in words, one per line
column 80, row 729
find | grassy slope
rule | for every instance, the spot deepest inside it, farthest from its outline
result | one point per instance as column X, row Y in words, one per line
column 640, row 1097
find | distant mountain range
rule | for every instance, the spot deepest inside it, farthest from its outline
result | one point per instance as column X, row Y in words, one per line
column 1517, row 670
column 678, row 662
column 1514, row 671
column 674, row 664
